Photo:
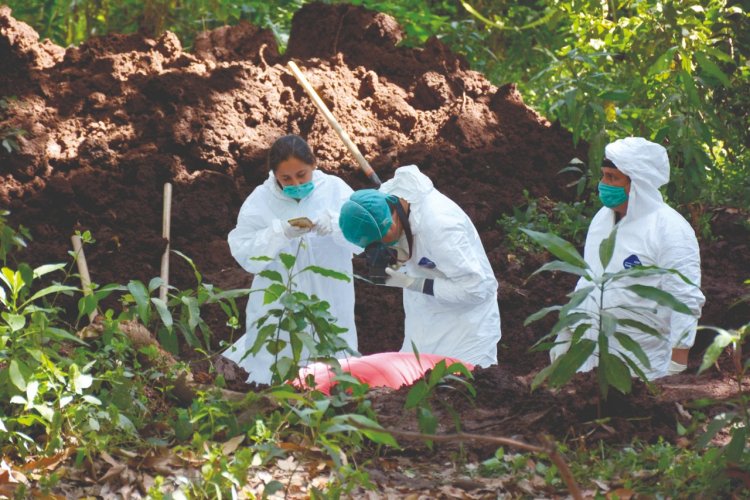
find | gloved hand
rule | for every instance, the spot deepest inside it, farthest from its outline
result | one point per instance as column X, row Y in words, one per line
column 323, row 225
column 402, row 280
column 557, row 351
column 675, row 368
column 291, row 231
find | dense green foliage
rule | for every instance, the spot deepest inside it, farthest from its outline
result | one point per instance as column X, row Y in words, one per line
column 674, row 71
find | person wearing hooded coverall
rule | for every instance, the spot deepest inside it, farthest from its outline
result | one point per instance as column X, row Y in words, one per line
column 293, row 189
column 649, row 233
column 449, row 288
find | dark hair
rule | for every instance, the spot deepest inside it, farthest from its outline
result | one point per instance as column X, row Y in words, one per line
column 289, row 146
column 606, row 162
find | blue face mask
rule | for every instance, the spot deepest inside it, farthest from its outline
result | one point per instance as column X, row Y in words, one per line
column 299, row 192
column 612, row 196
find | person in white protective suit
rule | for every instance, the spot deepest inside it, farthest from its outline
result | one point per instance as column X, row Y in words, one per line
column 449, row 289
column 294, row 189
column 649, row 233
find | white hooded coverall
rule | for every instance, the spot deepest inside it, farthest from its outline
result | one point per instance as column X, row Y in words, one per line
column 462, row 319
column 259, row 232
column 650, row 234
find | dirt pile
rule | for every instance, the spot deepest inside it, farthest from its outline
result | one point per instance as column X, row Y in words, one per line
column 109, row 122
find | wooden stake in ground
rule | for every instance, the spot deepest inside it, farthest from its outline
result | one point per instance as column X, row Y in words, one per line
column 165, row 230
column 353, row 149
column 83, row 270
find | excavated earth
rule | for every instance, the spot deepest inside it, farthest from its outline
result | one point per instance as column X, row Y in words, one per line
column 107, row 123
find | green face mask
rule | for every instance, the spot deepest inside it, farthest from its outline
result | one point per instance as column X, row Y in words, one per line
column 612, row 196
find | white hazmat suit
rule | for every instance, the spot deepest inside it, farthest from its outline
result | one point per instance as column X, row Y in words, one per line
column 260, row 232
column 650, row 234
column 462, row 319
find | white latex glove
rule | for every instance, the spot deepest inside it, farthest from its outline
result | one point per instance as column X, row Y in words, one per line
column 675, row 368
column 558, row 350
column 323, row 225
column 292, row 232
column 402, row 280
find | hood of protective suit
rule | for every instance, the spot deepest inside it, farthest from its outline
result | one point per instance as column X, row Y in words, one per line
column 647, row 165
column 408, row 183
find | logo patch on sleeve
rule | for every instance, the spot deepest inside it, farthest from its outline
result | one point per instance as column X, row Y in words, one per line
column 425, row 262
column 632, row 261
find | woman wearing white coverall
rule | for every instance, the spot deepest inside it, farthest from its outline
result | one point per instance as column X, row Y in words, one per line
column 450, row 291
column 294, row 188
column 649, row 233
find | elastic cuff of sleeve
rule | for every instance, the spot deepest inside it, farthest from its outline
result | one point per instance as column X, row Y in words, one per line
column 429, row 287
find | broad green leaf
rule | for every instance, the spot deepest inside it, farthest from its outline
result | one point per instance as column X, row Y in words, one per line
column 558, row 265
column 264, row 333
column 571, row 361
column 616, row 372
column 86, row 305
column 721, row 341
column 190, row 262
column 288, row 260
column 194, row 312
column 568, row 320
column 154, row 284
column 427, row 421
column 736, row 447
column 273, row 293
column 460, row 368
column 558, row 247
column 328, row 273
column 437, row 373
column 417, row 394
column 660, row 297
column 688, row 86
column 639, row 325
column 31, row 391
column 46, row 412
column 634, row 347
column 576, row 298
column 272, row 275
column 283, row 367
column 642, row 271
column 51, row 289
column 637, row 370
column 717, row 424
column 607, row 248
column 16, row 322
column 372, row 429
column 608, row 323
column 163, row 311
column 16, row 376
column 711, row 68
column 540, row 314
column 60, row 334
column 141, row 296
column 543, row 374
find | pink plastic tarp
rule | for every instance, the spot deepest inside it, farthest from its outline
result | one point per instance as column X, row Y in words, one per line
column 386, row 369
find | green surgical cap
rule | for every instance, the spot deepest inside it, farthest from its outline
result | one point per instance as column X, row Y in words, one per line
column 366, row 216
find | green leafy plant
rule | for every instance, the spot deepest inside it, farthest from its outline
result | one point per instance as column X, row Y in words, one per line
column 737, row 419
column 422, row 392
column 54, row 384
column 306, row 319
column 568, row 220
column 614, row 368
column 181, row 312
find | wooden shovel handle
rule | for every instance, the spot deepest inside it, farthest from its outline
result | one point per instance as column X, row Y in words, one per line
column 353, row 149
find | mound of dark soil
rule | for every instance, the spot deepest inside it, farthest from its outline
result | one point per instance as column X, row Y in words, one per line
column 109, row 122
